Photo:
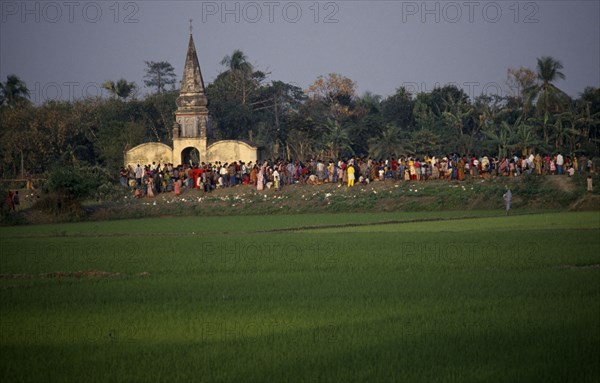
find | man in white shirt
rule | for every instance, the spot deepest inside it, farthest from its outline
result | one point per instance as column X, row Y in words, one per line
column 224, row 174
column 139, row 174
column 276, row 178
column 507, row 199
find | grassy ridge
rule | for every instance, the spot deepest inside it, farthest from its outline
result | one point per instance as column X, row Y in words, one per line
column 491, row 299
column 530, row 193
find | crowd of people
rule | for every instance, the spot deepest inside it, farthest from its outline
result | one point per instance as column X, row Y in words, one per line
column 151, row 179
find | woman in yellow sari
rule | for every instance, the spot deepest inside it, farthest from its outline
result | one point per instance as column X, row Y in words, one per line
column 350, row 171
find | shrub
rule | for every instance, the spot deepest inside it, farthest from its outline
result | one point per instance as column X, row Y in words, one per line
column 67, row 187
column 72, row 183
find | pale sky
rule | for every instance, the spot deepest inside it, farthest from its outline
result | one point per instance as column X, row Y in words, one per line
column 67, row 49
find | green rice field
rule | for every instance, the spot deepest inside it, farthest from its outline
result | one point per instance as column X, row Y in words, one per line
column 472, row 296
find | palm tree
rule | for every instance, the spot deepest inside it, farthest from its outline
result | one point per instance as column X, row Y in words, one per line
column 566, row 130
column 424, row 116
column 388, row 145
column 503, row 136
column 424, row 142
column 336, row 140
column 124, row 88
column 111, row 87
column 238, row 61
column 585, row 119
column 544, row 124
column 13, row 91
column 370, row 102
column 457, row 114
column 549, row 96
column 121, row 89
column 525, row 137
column 240, row 72
column 561, row 130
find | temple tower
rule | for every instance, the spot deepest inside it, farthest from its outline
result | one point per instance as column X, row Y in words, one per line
column 191, row 117
column 190, row 128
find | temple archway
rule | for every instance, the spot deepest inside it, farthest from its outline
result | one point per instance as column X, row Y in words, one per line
column 190, row 156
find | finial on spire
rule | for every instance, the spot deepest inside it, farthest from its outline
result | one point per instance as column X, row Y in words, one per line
column 191, row 25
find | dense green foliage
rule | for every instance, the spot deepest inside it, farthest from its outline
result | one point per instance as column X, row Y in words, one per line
column 228, row 299
column 327, row 120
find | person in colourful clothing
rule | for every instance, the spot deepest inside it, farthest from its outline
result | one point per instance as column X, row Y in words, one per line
column 351, row 172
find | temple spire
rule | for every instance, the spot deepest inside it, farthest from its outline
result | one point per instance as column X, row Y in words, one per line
column 192, row 111
column 192, row 81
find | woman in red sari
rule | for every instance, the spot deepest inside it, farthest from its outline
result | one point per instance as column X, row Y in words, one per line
column 177, row 187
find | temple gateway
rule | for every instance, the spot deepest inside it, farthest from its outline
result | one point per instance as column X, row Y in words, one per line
column 191, row 141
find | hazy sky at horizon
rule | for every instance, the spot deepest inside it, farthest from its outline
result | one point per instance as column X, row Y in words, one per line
column 66, row 49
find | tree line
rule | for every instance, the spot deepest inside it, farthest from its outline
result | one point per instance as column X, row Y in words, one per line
column 326, row 120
